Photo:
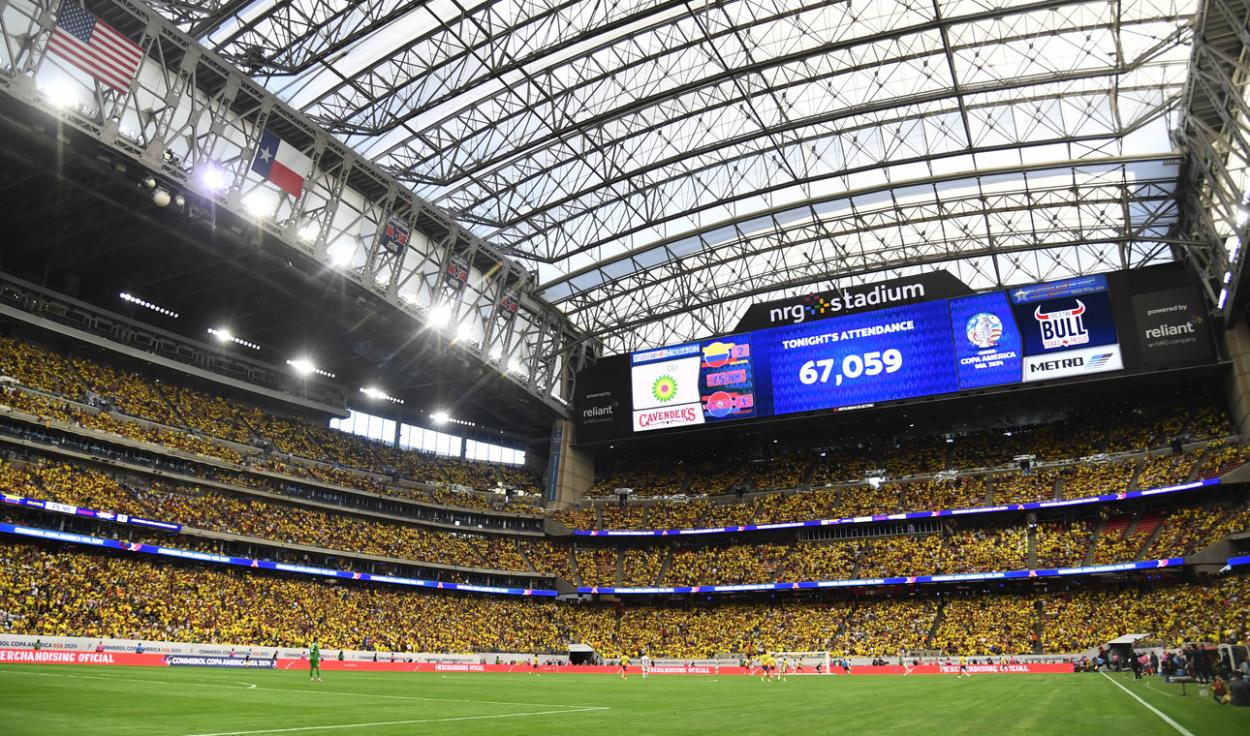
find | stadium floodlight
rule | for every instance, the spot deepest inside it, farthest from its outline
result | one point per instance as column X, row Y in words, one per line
column 128, row 297
column 340, row 257
column 440, row 417
column 212, row 177
column 515, row 366
column 308, row 233
column 438, row 316
column 224, row 335
column 496, row 353
column 161, row 197
column 304, row 367
column 374, row 392
column 258, row 204
column 61, row 95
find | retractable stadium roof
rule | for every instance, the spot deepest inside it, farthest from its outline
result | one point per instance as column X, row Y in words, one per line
column 663, row 164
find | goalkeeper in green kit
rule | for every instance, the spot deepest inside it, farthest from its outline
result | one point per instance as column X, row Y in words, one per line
column 314, row 663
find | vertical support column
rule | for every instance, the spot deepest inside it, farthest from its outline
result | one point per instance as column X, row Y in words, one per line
column 570, row 470
column 1238, row 389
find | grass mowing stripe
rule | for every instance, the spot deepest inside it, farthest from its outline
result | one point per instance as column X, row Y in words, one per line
column 1166, row 718
column 376, row 724
column 234, row 684
column 311, row 690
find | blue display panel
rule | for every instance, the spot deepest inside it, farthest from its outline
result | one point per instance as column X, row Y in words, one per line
column 1032, row 333
column 986, row 340
column 1067, row 328
column 864, row 358
column 727, row 379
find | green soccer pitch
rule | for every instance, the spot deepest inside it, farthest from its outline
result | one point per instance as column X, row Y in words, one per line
column 77, row 701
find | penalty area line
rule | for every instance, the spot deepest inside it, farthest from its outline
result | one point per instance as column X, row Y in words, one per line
column 1164, row 716
column 374, row 724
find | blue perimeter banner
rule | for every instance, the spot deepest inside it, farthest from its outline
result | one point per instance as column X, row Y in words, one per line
column 1032, row 505
column 71, row 510
column 321, row 572
column 908, row 580
column 183, row 660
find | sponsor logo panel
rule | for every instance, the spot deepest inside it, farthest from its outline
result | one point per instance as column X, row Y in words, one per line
column 1172, row 327
column 665, row 417
column 1072, row 363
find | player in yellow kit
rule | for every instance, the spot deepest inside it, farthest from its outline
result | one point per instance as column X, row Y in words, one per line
column 624, row 666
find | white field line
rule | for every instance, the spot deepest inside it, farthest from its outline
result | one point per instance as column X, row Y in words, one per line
column 234, row 684
column 1165, row 717
column 375, row 724
column 312, row 689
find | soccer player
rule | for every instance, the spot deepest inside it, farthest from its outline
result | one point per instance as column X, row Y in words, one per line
column 645, row 661
column 963, row 667
column 314, row 662
column 534, row 666
column 624, row 666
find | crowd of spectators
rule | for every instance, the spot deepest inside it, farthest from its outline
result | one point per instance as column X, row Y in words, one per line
column 1093, row 436
column 973, row 546
column 1074, row 480
column 1063, row 543
column 1080, row 619
column 93, row 395
column 211, row 510
column 986, row 624
column 51, row 592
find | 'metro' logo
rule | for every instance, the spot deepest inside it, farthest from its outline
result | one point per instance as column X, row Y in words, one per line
column 1063, row 328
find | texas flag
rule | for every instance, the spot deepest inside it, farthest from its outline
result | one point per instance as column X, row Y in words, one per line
column 281, row 163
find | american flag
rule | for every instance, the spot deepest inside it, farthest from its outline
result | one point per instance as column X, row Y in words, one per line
column 93, row 46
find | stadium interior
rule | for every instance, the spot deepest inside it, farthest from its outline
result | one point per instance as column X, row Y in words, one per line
column 878, row 331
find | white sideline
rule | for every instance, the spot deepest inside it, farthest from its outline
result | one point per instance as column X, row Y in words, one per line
column 1166, row 718
column 373, row 724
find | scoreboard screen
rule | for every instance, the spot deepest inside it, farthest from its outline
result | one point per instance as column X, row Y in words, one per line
column 1053, row 330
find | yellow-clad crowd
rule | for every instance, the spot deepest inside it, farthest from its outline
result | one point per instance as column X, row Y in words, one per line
column 47, row 592
column 208, row 509
column 85, row 392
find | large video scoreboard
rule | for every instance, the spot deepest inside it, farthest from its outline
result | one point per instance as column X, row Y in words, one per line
column 1025, row 334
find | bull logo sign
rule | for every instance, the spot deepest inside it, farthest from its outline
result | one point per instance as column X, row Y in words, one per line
column 1063, row 328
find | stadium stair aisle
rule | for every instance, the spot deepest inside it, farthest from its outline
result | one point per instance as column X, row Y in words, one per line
column 1093, row 542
